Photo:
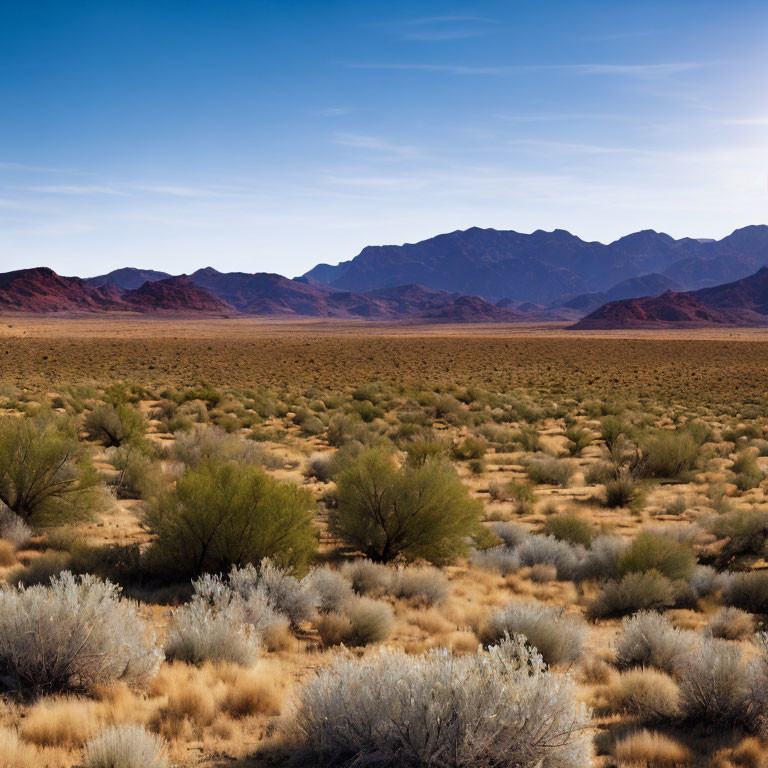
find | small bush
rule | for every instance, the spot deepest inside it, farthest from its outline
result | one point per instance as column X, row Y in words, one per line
column 731, row 624
column 114, row 426
column 745, row 468
column 367, row 577
column 320, row 465
column 427, row 585
column 603, row 557
column 45, row 474
column 360, row 621
column 720, row 688
column 656, row 552
column 668, row 454
column 601, row 473
column 748, row 591
column 612, row 428
column 745, row 531
column 565, row 557
column 73, row 635
column 542, row 573
column 578, row 439
column 501, row 559
column 622, row 491
column 371, row 621
column 225, row 514
column 550, row 471
column 125, row 746
column 570, row 527
column 512, row 534
column 220, row 624
column 13, row 529
column 647, row 694
column 470, row 448
column 331, row 588
column 414, row 512
column 139, row 477
column 212, row 444
column 284, row 593
column 494, row 710
column 635, row 592
column 559, row 638
column 418, row 452
column 649, row 640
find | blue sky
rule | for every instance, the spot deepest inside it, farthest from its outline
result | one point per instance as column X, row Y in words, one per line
column 270, row 136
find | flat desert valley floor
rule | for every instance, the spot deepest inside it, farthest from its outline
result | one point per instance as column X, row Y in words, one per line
column 620, row 499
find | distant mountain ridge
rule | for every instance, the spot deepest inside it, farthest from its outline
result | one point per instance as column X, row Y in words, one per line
column 739, row 303
column 480, row 275
column 546, row 267
column 41, row 290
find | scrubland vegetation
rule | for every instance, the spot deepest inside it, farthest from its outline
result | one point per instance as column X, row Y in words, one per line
column 387, row 572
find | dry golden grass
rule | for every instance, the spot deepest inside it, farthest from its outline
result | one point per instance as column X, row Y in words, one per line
column 649, row 749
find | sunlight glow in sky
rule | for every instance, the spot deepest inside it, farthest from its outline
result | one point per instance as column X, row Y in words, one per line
column 270, row 135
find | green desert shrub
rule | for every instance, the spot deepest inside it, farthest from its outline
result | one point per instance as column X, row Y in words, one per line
column 622, row 491
column 495, row 709
column 528, row 439
column 570, row 527
column 222, row 514
column 744, row 530
column 601, row 473
column 113, row 426
column 558, row 637
column 668, row 453
column 410, row 512
column 612, row 428
column 549, row 471
column 521, row 495
column 747, row 473
column 470, row 448
column 648, row 590
column 656, row 552
column 578, row 439
column 138, row 475
column 418, row 452
column 45, row 473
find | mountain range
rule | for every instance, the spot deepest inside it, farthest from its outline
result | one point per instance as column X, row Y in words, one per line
column 739, row 303
column 548, row 267
column 476, row 275
column 41, row 290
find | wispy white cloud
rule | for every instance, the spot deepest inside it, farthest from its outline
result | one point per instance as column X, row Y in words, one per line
column 649, row 70
column 759, row 121
column 437, row 28
column 74, row 189
column 335, row 111
column 175, row 190
column 374, row 143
